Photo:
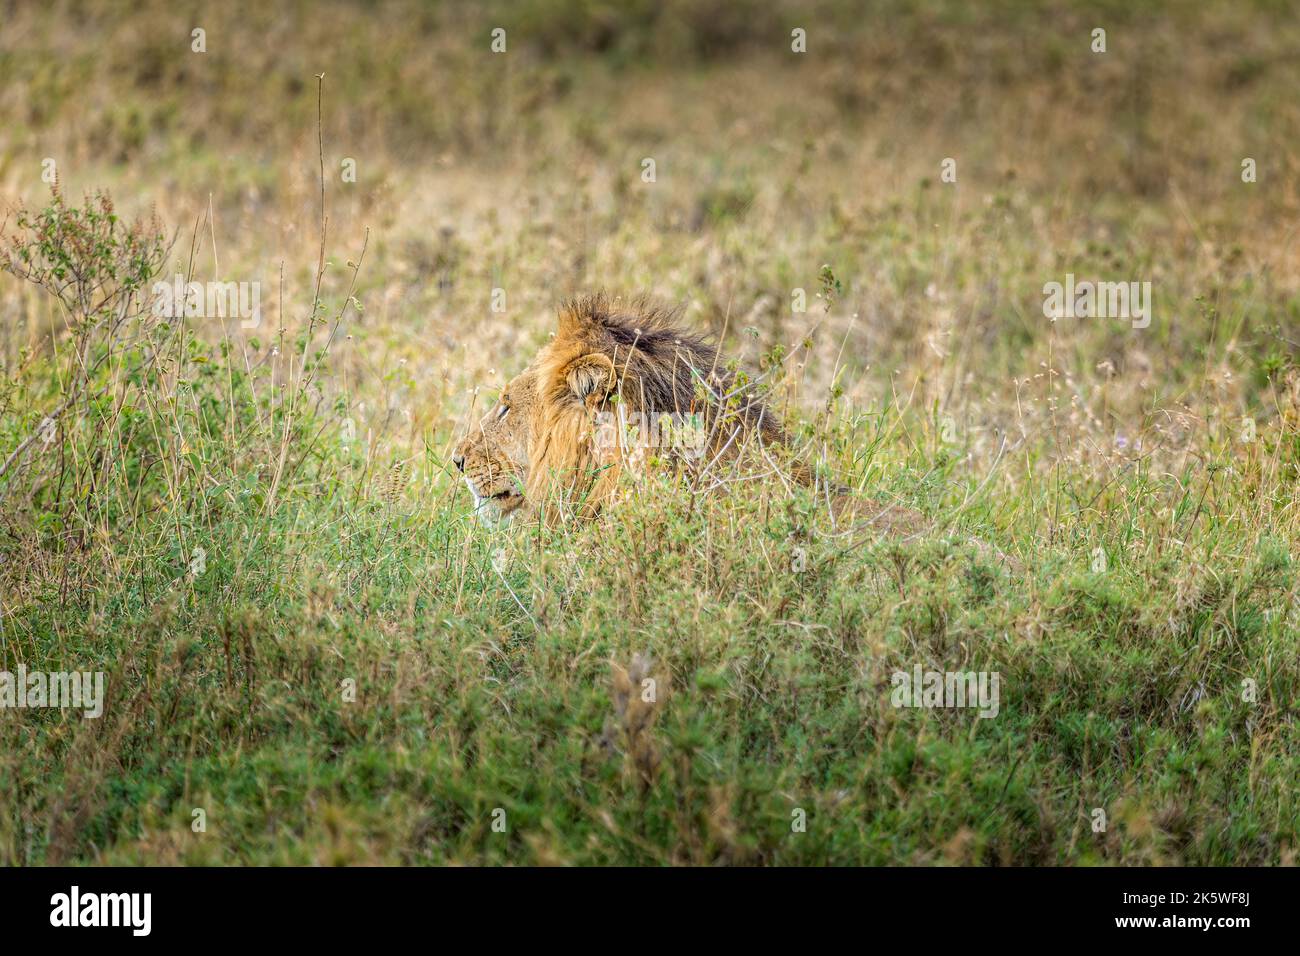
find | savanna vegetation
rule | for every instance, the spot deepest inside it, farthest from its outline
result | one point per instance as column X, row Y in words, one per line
column 253, row 528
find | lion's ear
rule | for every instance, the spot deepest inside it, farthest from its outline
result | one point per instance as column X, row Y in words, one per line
column 590, row 378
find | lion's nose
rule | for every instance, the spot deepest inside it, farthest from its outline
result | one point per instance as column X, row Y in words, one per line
column 458, row 461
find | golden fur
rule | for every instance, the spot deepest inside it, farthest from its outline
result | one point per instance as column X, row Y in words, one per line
column 555, row 440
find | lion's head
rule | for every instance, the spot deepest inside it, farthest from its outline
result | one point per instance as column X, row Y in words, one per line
column 609, row 382
column 493, row 457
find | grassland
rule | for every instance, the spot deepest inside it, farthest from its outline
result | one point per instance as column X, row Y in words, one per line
column 355, row 671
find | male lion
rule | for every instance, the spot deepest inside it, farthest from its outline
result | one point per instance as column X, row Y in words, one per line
column 558, row 441
column 559, row 437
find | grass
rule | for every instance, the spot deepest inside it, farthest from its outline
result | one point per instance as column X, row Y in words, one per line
column 256, row 534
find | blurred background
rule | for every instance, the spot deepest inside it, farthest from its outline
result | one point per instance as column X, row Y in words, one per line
column 522, row 171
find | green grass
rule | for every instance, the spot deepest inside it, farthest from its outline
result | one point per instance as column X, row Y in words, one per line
column 478, row 688
column 226, row 695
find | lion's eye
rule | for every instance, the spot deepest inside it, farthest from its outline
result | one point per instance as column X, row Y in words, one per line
column 501, row 412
